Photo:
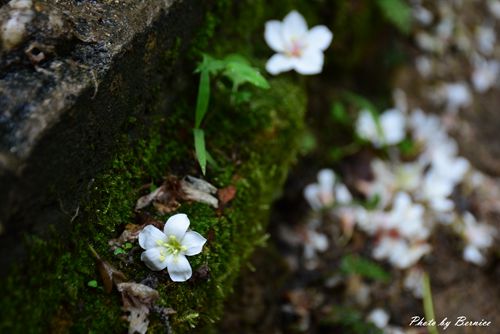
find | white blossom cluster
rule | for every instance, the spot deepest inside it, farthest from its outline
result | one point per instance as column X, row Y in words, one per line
column 446, row 32
column 412, row 197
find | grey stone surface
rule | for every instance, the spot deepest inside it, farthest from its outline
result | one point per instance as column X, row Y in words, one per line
column 68, row 89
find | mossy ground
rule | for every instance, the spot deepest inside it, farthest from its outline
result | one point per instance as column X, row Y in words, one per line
column 254, row 144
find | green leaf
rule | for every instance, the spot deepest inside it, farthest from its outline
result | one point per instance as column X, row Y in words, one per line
column 119, row 251
column 211, row 161
column 372, row 202
column 351, row 320
column 360, row 102
column 127, row 245
column 397, row 12
column 201, row 151
column 336, row 153
column 353, row 264
column 240, row 97
column 203, row 98
column 428, row 305
column 92, row 284
column 210, row 65
column 407, row 146
column 239, row 71
column 339, row 114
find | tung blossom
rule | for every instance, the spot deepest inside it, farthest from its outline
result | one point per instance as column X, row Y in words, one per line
column 168, row 249
column 327, row 191
column 479, row 237
column 485, row 75
column 399, row 252
column 407, row 218
column 297, row 47
column 389, row 130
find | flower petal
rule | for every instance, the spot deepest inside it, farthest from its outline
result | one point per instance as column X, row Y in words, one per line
column 279, row 63
column 311, row 62
column 294, row 27
column 319, row 38
column 179, row 268
column 194, row 242
column 472, row 254
column 311, row 194
column 155, row 258
column 149, row 237
column 273, row 35
column 177, row 226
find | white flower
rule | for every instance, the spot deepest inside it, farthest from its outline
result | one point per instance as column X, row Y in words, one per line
column 326, row 192
column 414, row 282
column 486, row 39
column 407, row 218
column 435, row 191
column 168, row 249
column 478, row 237
column 378, row 317
column 473, row 255
column 429, row 43
column 314, row 242
column 456, row 95
column 424, row 66
column 297, row 47
column 389, row 130
column 485, row 75
column 422, row 15
column 426, row 128
column 389, row 178
column 370, row 222
column 399, row 252
column 494, row 7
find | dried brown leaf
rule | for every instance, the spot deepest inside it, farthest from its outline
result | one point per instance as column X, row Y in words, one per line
column 166, row 208
column 137, row 300
column 226, row 194
column 131, row 231
column 109, row 274
column 146, row 200
column 198, row 190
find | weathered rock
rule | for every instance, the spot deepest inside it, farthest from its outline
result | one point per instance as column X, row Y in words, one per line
column 82, row 73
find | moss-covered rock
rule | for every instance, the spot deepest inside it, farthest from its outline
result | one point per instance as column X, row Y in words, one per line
column 253, row 143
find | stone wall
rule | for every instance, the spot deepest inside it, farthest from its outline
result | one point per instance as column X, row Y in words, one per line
column 61, row 117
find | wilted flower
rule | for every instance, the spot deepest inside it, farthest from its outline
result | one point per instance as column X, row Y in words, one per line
column 297, row 47
column 389, row 130
column 168, row 249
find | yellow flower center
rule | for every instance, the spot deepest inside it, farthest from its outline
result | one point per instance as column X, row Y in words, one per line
column 170, row 247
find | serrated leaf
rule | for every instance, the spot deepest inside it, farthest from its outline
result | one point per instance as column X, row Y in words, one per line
column 200, row 149
column 397, row 12
column 353, row 264
column 203, row 98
